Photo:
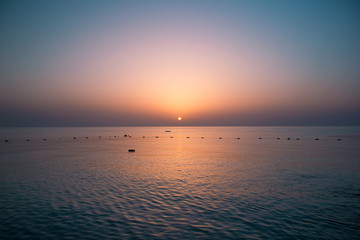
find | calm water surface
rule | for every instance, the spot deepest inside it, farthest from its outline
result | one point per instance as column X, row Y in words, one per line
column 184, row 187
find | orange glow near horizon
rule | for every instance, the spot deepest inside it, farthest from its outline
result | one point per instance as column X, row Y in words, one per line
column 159, row 69
column 211, row 62
column 173, row 72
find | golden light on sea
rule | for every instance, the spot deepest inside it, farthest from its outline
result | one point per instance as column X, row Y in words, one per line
column 179, row 118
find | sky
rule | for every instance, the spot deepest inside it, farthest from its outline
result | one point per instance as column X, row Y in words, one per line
column 145, row 63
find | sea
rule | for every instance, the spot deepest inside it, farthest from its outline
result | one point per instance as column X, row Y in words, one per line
column 180, row 183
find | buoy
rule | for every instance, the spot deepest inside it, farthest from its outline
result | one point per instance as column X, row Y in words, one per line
column 339, row 139
column 27, row 140
column 44, row 139
column 237, row 138
column 6, row 140
column 278, row 138
column 297, row 138
column 157, row 137
column 171, row 137
column 125, row 135
column 187, row 137
column 131, row 150
column 202, row 137
column 288, row 138
column 99, row 136
column 260, row 138
column 143, row 136
column 87, row 137
column 74, row 137
column 220, row 137
column 316, row 139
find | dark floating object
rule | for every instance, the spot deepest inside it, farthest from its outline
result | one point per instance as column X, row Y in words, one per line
column 74, row 137
column 187, row 137
column 87, row 137
column 288, row 138
column 6, row 140
column 143, row 136
column 220, row 137
column 339, row 139
column 131, row 150
column 99, row 136
column 44, row 139
column 278, row 138
column 297, row 138
column 316, row 139
column 115, row 136
column 167, row 131
column 157, row 137
column 171, row 137
column 27, row 140
column 260, row 138
column 237, row 138
column 202, row 137
column 125, row 135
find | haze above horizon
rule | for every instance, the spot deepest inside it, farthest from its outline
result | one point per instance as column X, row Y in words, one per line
column 146, row 63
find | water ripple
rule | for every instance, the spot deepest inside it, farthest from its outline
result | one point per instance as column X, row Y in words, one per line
column 96, row 190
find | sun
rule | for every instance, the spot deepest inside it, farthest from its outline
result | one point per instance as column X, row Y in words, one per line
column 179, row 118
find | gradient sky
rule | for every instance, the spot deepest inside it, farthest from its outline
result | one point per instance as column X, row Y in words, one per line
column 113, row 63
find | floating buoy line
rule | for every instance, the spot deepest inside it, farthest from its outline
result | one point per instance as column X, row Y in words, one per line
column 157, row 137
column 187, row 137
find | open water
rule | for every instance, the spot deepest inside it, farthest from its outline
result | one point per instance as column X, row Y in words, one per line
column 178, row 185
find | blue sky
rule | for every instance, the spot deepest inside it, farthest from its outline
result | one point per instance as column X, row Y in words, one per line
column 148, row 62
